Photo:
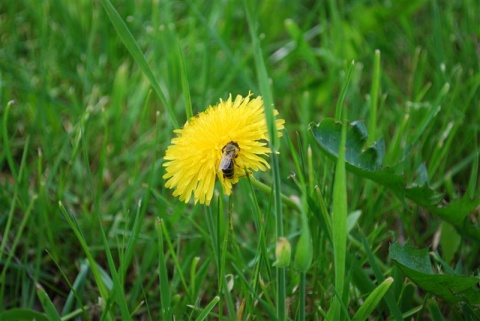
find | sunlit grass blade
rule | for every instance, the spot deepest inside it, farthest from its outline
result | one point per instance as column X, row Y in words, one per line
column 388, row 296
column 137, row 54
column 372, row 300
column 203, row 315
column 47, row 304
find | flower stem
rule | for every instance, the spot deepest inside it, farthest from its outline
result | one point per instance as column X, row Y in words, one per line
column 268, row 189
column 303, row 288
column 281, row 284
column 266, row 92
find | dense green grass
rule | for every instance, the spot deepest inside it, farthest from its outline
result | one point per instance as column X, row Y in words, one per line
column 90, row 232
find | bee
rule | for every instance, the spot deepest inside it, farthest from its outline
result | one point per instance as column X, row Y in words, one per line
column 227, row 163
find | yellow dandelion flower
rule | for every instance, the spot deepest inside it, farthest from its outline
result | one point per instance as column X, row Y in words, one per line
column 222, row 142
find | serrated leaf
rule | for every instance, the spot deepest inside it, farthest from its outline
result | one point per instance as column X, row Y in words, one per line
column 367, row 162
column 416, row 265
column 327, row 133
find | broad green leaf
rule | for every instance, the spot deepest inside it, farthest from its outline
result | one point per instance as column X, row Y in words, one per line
column 416, row 265
column 449, row 241
column 367, row 162
column 456, row 213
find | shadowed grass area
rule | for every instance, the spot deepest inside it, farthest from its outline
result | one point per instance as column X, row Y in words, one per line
column 90, row 95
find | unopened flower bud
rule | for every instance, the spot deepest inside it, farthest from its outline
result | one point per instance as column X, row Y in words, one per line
column 304, row 251
column 283, row 252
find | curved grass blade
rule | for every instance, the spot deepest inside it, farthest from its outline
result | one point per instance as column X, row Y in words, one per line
column 208, row 309
column 372, row 300
column 47, row 304
column 137, row 55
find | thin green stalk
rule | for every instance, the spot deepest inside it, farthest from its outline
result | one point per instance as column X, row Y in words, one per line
column 18, row 236
column 16, row 191
column 178, row 268
column 165, row 297
column 104, row 293
column 4, row 239
column 339, row 106
column 268, row 190
column 374, row 93
column 118, row 290
column 303, row 289
column 185, row 86
column 6, row 142
column 226, row 236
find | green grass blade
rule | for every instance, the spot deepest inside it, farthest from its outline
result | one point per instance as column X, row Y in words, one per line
column 274, row 145
column 435, row 311
column 165, row 296
column 185, row 86
column 137, row 54
column 6, row 142
column 339, row 217
column 132, row 239
column 372, row 300
column 118, row 290
column 472, row 183
column 104, row 293
column 208, row 309
column 178, row 267
column 23, row 314
column 79, row 281
column 430, row 115
column 343, row 93
column 374, row 93
column 47, row 304
column 388, row 296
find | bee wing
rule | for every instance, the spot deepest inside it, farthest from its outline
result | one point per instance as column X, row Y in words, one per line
column 225, row 162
